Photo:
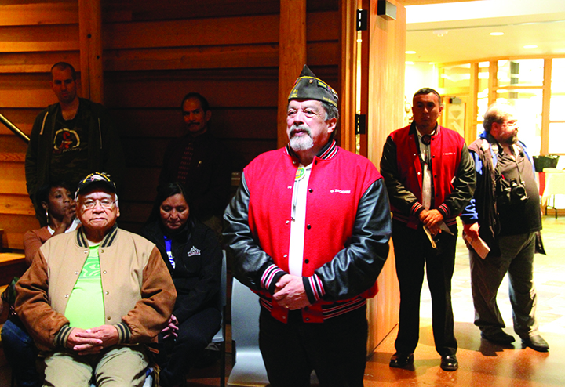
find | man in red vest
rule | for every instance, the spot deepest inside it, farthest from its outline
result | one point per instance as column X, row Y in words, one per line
column 430, row 178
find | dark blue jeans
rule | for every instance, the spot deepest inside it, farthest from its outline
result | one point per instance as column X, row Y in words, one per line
column 21, row 353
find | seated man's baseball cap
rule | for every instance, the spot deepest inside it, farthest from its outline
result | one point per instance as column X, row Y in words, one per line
column 100, row 178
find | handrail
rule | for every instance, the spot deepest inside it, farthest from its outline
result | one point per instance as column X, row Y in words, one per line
column 7, row 123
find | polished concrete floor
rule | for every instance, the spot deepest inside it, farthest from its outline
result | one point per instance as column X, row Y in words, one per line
column 482, row 363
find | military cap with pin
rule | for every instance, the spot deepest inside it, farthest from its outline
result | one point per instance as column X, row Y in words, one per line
column 307, row 86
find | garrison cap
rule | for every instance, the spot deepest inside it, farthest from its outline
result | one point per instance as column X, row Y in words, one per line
column 307, row 86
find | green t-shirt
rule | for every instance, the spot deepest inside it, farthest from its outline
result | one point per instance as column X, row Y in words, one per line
column 85, row 308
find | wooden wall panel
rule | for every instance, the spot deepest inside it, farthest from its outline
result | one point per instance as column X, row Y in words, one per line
column 16, row 205
column 36, row 62
column 163, row 90
column 12, row 145
column 140, row 10
column 386, row 78
column 42, row 13
column 12, row 178
column 14, row 228
column 22, row 118
column 38, row 38
column 154, row 53
column 243, row 123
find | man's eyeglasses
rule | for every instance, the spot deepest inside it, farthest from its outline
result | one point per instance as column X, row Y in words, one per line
column 104, row 203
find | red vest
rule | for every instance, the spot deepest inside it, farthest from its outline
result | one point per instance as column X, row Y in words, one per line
column 445, row 148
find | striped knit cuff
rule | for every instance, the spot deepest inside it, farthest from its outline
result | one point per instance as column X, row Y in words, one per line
column 314, row 288
column 61, row 337
column 124, row 333
column 270, row 278
column 444, row 209
column 417, row 208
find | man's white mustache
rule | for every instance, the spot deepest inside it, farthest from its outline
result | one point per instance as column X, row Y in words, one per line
column 300, row 128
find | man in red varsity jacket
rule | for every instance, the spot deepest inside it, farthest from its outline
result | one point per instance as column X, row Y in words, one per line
column 430, row 178
column 309, row 230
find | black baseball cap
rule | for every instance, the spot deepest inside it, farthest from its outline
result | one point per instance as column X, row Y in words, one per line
column 101, row 178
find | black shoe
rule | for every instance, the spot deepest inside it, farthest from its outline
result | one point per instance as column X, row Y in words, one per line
column 401, row 360
column 449, row 363
column 499, row 337
column 536, row 342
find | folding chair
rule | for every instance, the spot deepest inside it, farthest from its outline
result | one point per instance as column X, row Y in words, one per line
column 220, row 337
column 249, row 369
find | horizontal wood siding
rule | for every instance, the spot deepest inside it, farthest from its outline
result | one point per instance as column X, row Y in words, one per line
column 153, row 54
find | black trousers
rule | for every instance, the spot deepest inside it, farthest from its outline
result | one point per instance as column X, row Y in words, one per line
column 335, row 349
column 414, row 254
column 194, row 334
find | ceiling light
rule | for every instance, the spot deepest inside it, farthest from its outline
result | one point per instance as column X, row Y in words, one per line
column 528, row 46
column 410, row 52
column 440, row 33
column 497, row 33
column 408, row 62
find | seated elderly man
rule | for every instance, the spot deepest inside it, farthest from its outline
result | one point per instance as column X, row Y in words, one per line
column 92, row 296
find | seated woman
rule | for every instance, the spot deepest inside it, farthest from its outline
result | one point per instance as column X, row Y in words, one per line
column 19, row 348
column 194, row 258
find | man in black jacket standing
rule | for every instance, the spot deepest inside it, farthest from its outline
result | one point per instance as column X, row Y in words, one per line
column 70, row 139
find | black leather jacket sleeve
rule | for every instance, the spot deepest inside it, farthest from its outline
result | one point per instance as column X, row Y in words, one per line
column 356, row 267
column 249, row 260
column 400, row 197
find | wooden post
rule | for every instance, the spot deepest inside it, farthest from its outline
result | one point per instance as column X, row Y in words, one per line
column 292, row 56
column 90, row 43
column 492, row 82
column 348, row 74
column 472, row 110
column 546, row 103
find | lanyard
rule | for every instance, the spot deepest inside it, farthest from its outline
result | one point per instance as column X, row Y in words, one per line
column 168, row 246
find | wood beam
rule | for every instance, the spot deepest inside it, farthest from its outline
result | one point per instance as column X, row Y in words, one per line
column 292, row 56
column 546, row 103
column 492, row 82
column 348, row 74
column 90, row 42
column 472, row 109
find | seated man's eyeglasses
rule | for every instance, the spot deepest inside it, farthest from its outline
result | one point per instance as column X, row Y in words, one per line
column 104, row 203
